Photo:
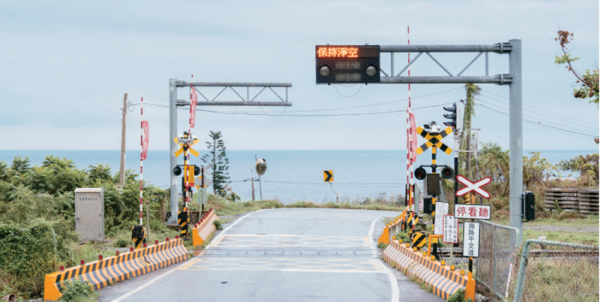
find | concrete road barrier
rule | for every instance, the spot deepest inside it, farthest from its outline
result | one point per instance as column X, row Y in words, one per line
column 441, row 278
column 117, row 268
column 390, row 229
column 204, row 228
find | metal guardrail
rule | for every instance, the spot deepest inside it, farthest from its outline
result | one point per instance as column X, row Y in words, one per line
column 496, row 257
column 569, row 274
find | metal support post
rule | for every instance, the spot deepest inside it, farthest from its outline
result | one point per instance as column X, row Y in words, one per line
column 174, row 146
column 516, row 137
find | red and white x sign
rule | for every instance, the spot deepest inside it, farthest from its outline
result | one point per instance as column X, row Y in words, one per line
column 473, row 186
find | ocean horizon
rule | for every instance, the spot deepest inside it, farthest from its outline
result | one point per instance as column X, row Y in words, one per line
column 292, row 175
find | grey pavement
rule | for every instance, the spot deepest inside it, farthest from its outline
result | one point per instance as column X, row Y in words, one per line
column 282, row 255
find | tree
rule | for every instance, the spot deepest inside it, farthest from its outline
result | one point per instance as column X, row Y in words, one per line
column 217, row 158
column 585, row 165
column 20, row 165
column 588, row 80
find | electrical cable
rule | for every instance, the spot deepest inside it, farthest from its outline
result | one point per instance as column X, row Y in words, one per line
column 557, row 114
column 577, row 134
column 351, row 107
column 535, row 117
column 348, row 97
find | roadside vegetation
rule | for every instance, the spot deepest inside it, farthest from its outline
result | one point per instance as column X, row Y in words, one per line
column 37, row 217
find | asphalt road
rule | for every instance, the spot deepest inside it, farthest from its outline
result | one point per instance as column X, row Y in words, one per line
column 282, row 255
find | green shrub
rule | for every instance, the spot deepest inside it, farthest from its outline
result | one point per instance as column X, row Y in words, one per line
column 30, row 251
column 217, row 224
column 122, row 242
column 458, row 296
column 402, row 236
column 382, row 245
column 76, row 290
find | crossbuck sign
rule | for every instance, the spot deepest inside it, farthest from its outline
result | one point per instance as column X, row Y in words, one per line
column 473, row 186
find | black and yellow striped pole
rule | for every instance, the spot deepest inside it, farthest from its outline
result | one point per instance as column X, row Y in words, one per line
column 186, row 142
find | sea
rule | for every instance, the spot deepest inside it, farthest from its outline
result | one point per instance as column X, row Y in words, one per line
column 291, row 175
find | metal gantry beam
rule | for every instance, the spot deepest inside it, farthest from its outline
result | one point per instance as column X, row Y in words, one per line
column 174, row 103
column 500, row 79
column 513, row 79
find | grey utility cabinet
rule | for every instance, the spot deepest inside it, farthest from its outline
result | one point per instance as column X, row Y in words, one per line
column 89, row 213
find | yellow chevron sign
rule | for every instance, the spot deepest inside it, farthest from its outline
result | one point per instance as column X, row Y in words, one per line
column 434, row 140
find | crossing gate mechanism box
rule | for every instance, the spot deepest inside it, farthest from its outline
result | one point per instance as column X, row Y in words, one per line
column 89, row 213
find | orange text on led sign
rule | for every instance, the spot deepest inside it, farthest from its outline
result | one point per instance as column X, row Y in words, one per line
column 337, row 52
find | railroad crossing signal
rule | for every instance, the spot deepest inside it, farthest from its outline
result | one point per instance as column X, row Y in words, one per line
column 473, row 186
column 328, row 175
column 183, row 142
column 337, row 64
column 434, row 139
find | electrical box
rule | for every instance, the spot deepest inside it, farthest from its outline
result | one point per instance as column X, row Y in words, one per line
column 89, row 213
column 528, row 205
column 427, row 205
column 433, row 184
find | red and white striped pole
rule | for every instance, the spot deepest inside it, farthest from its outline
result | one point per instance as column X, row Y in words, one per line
column 141, row 161
column 409, row 172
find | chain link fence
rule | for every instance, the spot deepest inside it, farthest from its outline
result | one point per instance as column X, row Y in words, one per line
column 557, row 271
column 495, row 265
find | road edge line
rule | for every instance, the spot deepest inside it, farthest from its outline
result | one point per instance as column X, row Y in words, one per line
column 218, row 238
column 393, row 281
column 150, row 282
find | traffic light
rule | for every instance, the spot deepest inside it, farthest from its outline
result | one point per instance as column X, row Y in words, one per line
column 454, row 116
column 447, row 173
column 338, row 64
column 420, row 173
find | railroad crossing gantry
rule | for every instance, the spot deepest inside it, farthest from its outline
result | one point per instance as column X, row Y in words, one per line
column 174, row 103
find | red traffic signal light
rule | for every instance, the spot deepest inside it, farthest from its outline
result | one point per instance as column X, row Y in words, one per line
column 420, row 173
column 447, row 173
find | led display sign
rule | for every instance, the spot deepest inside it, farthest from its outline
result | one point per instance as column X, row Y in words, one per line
column 337, row 64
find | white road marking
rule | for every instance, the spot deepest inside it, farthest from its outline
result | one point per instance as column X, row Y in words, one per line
column 220, row 236
column 121, row 298
column 330, row 271
column 395, row 290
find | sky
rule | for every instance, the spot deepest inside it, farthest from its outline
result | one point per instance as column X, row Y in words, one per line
column 65, row 66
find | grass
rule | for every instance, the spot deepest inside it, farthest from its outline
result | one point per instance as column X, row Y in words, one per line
column 562, row 236
column 560, row 279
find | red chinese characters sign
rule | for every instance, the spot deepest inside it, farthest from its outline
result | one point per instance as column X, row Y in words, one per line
column 337, row 52
column 470, row 211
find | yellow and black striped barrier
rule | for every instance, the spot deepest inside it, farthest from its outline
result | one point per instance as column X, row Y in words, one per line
column 138, row 236
column 183, row 219
column 443, row 279
column 419, row 240
column 204, row 228
column 117, row 268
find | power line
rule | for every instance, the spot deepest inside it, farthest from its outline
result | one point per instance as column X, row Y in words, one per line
column 578, row 134
column 301, row 115
column 538, row 118
column 351, row 107
column 540, row 109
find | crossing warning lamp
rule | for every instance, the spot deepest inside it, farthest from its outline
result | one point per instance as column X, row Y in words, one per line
column 447, row 173
column 177, row 170
column 420, row 173
column 454, row 117
column 355, row 64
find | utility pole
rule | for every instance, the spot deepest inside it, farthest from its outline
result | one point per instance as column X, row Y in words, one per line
column 123, row 133
column 252, row 185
